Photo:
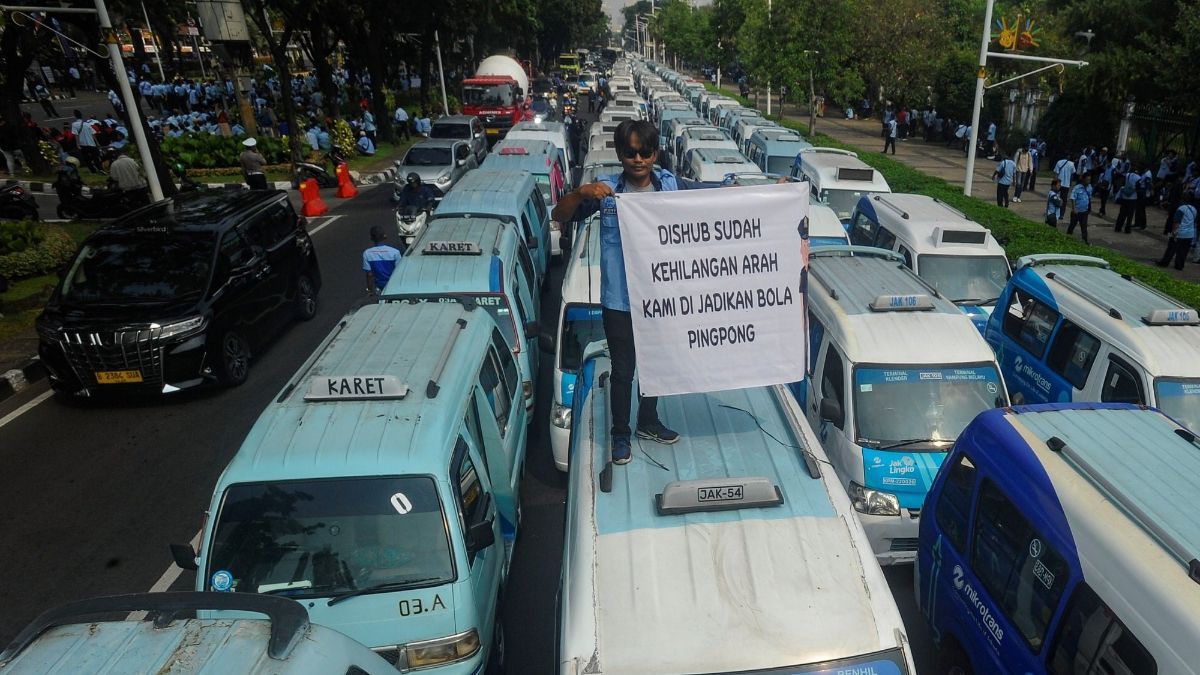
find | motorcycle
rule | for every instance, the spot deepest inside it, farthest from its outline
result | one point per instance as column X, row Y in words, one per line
column 186, row 184
column 410, row 223
column 306, row 170
column 17, row 203
column 73, row 204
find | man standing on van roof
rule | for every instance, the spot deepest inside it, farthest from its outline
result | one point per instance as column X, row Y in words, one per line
column 379, row 261
column 636, row 143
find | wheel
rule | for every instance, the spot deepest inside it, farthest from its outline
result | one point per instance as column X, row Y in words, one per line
column 952, row 660
column 306, row 298
column 495, row 664
column 67, row 212
column 234, row 359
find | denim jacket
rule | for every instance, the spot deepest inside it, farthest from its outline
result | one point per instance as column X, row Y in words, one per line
column 614, row 291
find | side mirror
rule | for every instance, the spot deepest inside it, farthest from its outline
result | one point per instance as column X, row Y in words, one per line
column 532, row 329
column 462, row 162
column 546, row 343
column 480, row 536
column 185, row 556
column 531, row 242
column 831, row 411
column 1018, row 398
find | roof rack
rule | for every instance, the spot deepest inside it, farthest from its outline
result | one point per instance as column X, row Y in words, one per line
column 1176, row 548
column 947, row 206
column 289, row 619
column 1051, row 258
column 302, row 374
column 1087, row 295
column 829, row 151
column 865, row 251
column 432, row 389
column 897, row 209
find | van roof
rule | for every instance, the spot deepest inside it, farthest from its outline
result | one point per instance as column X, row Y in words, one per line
column 295, row 438
column 735, row 568
column 722, row 156
column 823, row 222
column 420, row 272
column 930, row 225
column 1125, row 477
column 1114, row 307
column 488, row 193
column 200, row 211
column 832, row 166
column 529, row 155
column 553, row 127
column 842, row 289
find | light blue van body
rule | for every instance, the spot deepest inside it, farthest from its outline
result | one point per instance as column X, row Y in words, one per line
column 511, row 196
column 386, row 471
column 775, row 152
column 500, row 278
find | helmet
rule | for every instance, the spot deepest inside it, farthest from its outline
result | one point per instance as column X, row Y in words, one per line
column 73, row 161
column 413, row 179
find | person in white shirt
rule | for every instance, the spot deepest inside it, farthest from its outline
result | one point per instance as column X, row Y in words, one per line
column 401, row 118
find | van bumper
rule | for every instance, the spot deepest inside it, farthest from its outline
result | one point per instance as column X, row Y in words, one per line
column 559, row 444
column 893, row 538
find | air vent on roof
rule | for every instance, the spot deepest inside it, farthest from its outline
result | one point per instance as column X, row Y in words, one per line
column 847, row 173
column 962, row 237
column 514, row 151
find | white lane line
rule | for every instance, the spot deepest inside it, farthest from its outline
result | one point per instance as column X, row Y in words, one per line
column 323, row 225
column 166, row 580
column 27, row 407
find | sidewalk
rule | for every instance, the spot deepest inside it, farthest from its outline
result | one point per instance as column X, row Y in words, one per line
column 950, row 164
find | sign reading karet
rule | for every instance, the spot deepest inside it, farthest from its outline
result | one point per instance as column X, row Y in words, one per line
column 716, row 286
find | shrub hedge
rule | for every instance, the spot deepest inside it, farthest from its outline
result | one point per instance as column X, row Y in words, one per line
column 53, row 248
column 210, row 151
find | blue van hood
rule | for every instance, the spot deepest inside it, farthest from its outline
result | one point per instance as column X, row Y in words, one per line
column 377, row 619
column 908, row 475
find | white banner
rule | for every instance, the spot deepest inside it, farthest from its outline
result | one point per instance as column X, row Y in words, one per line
column 715, row 279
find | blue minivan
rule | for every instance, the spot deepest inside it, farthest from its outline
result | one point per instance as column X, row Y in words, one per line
column 1060, row 539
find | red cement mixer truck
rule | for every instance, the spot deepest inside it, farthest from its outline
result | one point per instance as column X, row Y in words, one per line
column 496, row 93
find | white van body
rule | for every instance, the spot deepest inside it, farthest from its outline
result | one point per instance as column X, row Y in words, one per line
column 838, row 178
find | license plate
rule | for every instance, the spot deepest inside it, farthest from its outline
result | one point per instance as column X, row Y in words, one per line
column 721, row 493
column 118, row 376
column 493, row 132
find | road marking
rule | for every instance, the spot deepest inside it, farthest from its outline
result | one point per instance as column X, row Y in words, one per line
column 323, row 225
column 166, row 580
column 27, row 407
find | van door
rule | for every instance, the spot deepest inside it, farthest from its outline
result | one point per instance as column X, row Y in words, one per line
column 532, row 355
column 829, row 382
column 271, row 236
column 497, row 416
column 486, row 566
column 244, row 303
column 1115, row 379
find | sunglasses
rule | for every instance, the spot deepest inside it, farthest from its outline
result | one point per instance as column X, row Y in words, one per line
column 644, row 153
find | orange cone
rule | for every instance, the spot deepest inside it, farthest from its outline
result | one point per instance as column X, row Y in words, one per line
column 313, row 204
column 346, row 187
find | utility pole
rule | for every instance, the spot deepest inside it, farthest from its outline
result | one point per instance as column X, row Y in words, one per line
column 768, row 79
column 157, row 44
column 441, row 73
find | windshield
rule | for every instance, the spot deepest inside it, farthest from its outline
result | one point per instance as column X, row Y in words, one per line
column 842, row 201
column 965, row 277
column 1180, row 399
column 140, row 269
column 450, row 130
column 496, row 306
column 315, row 538
column 427, row 156
column 582, row 325
column 780, row 164
column 827, row 241
column 897, row 404
column 496, row 94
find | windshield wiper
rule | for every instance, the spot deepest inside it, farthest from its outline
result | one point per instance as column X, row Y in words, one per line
column 391, row 585
column 975, row 301
column 912, row 441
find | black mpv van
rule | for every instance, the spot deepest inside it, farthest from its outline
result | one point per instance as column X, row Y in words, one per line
column 179, row 293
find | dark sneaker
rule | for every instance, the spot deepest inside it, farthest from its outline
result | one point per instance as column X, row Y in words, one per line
column 621, row 451
column 657, row 432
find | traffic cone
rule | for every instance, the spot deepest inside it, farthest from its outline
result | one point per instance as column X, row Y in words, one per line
column 313, row 204
column 346, row 187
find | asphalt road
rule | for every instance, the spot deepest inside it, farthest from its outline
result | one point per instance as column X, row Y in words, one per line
column 93, row 493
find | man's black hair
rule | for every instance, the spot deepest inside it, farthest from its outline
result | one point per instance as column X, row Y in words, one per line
column 377, row 233
column 646, row 132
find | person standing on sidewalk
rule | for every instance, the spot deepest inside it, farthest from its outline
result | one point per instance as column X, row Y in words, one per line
column 1145, row 188
column 1183, row 232
column 1003, row 175
column 636, row 143
column 401, row 117
column 1127, row 200
column 1024, row 164
column 252, row 165
column 991, row 140
column 1054, row 205
column 1081, row 206
column 1064, row 169
column 889, row 135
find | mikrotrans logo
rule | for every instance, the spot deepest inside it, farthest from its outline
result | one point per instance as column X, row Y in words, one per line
column 983, row 612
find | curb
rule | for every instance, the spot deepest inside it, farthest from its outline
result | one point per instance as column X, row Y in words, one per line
column 18, row 379
column 369, row 179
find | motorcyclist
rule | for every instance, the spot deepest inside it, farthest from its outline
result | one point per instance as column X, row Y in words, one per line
column 69, row 183
column 415, row 194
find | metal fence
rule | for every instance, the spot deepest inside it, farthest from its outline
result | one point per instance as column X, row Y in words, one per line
column 1156, row 128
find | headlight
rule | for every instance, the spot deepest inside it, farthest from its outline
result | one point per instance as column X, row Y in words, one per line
column 405, row 226
column 46, row 332
column 180, row 327
column 442, row 650
column 873, row 502
column 442, row 180
column 560, row 416
column 555, row 226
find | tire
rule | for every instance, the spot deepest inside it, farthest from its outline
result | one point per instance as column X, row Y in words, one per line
column 306, row 298
column 67, row 212
column 495, row 665
column 326, row 180
column 952, row 660
column 233, row 359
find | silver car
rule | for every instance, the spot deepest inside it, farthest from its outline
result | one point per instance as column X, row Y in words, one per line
column 439, row 162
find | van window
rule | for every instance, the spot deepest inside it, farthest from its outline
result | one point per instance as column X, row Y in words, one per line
column 527, row 232
column 470, row 493
column 474, row 430
column 495, row 390
column 833, row 380
column 1029, row 322
column 539, row 209
column 885, row 239
column 1092, row 640
column 508, row 366
column 1121, row 384
column 1019, row 569
column 954, row 506
column 525, row 263
column 908, row 259
column 276, row 225
column 816, row 333
column 862, row 233
column 1072, row 354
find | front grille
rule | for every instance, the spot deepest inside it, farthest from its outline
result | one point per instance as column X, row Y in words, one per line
column 126, row 349
column 904, row 544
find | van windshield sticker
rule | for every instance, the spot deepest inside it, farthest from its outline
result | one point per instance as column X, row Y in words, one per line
column 401, row 503
column 222, row 581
